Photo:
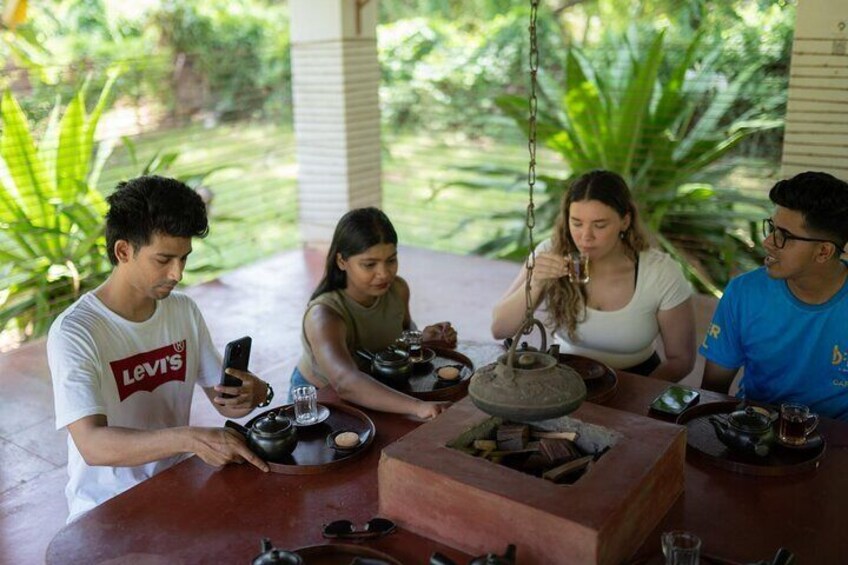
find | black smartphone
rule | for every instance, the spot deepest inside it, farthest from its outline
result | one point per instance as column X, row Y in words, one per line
column 675, row 399
column 237, row 356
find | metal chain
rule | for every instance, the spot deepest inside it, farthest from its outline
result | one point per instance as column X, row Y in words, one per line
column 531, row 146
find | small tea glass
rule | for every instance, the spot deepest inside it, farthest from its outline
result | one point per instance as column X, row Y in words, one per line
column 413, row 340
column 796, row 423
column 305, row 404
column 681, row 548
column 578, row 267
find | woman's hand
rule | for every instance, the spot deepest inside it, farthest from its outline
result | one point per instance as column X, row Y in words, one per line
column 429, row 410
column 441, row 333
column 549, row 266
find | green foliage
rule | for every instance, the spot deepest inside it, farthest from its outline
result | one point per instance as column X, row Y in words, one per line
column 662, row 133
column 237, row 50
column 51, row 214
column 445, row 74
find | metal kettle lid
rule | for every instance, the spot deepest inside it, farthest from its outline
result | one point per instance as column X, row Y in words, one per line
column 271, row 425
column 526, row 387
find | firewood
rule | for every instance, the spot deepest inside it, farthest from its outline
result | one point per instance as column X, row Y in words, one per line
column 485, row 444
column 500, row 453
column 558, row 451
column 539, row 434
column 512, row 437
column 557, row 473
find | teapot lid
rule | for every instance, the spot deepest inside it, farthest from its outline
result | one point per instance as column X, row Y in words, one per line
column 272, row 556
column 392, row 357
column 749, row 420
column 271, row 424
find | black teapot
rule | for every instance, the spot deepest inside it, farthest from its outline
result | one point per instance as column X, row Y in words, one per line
column 272, row 556
column 272, row 437
column 508, row 558
column 746, row 431
column 391, row 366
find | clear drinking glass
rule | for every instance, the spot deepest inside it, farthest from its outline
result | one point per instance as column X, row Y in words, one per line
column 413, row 340
column 681, row 548
column 578, row 267
column 305, row 404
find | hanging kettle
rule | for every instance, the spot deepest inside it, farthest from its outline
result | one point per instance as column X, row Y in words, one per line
column 527, row 385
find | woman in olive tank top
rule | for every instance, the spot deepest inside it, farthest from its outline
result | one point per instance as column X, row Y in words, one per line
column 361, row 303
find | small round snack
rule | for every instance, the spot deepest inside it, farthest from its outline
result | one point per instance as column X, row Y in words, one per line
column 347, row 440
column 448, row 373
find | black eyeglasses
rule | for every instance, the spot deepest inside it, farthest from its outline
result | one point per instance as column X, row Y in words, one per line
column 344, row 529
column 781, row 236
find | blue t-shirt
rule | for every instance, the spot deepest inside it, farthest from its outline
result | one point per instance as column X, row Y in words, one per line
column 791, row 351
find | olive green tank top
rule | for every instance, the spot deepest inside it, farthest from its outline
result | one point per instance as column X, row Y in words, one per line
column 372, row 327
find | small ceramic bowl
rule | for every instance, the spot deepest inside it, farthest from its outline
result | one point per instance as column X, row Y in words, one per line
column 331, row 441
column 445, row 369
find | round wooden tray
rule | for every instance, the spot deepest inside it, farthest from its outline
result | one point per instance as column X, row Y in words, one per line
column 341, row 554
column 601, row 381
column 425, row 385
column 703, row 444
column 312, row 454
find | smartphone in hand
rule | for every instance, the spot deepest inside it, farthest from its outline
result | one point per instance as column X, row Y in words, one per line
column 236, row 356
column 675, row 399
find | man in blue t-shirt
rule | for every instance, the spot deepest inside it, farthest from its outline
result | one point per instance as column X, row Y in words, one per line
column 787, row 323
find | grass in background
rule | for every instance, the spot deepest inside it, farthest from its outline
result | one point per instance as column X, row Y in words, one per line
column 254, row 206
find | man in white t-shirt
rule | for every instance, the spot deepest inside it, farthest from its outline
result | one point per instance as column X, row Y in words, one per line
column 125, row 357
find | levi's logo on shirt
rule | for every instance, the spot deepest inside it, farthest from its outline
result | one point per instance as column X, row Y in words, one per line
column 148, row 370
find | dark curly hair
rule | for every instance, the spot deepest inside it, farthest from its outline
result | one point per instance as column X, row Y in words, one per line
column 149, row 205
column 821, row 198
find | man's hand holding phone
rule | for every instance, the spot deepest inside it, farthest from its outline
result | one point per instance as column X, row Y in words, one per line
column 247, row 394
column 239, row 390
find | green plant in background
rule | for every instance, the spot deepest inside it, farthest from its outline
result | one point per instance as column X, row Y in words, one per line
column 663, row 134
column 51, row 215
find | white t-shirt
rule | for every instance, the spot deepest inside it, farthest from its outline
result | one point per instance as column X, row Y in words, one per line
column 624, row 338
column 139, row 375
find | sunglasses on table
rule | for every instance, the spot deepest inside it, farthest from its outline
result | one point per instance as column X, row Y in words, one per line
column 781, row 236
column 344, row 529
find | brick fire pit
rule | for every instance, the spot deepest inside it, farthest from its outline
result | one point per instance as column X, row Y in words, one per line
column 478, row 506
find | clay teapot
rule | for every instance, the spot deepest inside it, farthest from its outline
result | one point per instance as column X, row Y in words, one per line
column 508, row 558
column 272, row 437
column 526, row 385
column 746, row 431
column 391, row 366
column 272, row 556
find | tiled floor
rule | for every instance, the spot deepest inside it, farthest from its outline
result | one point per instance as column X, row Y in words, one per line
column 264, row 300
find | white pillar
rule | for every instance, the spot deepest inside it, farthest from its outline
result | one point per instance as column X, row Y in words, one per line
column 335, row 82
column 817, row 113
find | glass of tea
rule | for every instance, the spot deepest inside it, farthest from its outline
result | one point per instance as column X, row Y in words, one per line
column 796, row 423
column 578, row 267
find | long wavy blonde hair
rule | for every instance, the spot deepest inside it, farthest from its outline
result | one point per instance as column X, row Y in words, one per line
column 567, row 301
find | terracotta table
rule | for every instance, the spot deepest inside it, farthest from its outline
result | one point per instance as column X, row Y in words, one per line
column 194, row 513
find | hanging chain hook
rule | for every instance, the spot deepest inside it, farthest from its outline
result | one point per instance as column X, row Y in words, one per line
column 531, row 169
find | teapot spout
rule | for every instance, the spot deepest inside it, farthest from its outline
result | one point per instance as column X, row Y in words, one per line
column 720, row 426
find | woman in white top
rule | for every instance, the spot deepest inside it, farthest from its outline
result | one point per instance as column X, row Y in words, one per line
column 634, row 293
